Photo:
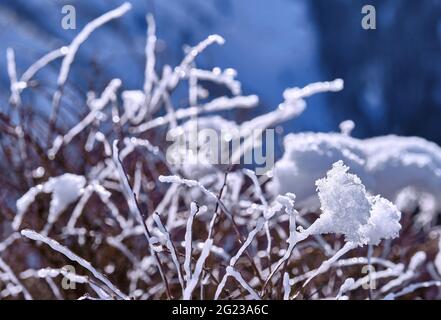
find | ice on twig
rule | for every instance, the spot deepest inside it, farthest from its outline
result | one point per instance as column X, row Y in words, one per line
column 191, row 285
column 411, row 288
column 96, row 105
column 239, row 253
column 416, row 261
column 7, row 269
column 345, row 287
column 286, row 286
column 188, row 240
column 80, row 38
column 236, row 275
column 42, row 62
column 30, row 234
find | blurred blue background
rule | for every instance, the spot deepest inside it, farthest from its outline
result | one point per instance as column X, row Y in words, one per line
column 392, row 74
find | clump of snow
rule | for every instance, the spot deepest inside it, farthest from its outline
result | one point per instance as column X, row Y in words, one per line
column 383, row 223
column 344, row 203
column 65, row 189
column 349, row 210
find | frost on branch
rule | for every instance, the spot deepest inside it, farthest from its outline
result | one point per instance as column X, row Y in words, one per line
column 165, row 220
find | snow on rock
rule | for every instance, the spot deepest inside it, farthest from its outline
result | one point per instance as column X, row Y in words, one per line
column 349, row 210
column 387, row 165
column 65, row 190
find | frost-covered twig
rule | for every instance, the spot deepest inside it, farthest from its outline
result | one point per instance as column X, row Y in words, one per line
column 12, row 72
column 171, row 248
column 149, row 73
column 65, row 189
column 194, row 183
column 9, row 241
column 49, row 273
column 218, row 104
column 30, row 234
column 345, row 287
column 294, row 236
column 43, row 62
column 191, row 285
column 236, row 275
column 6, row 268
column 238, row 254
column 225, row 77
column 416, row 261
column 312, row 89
column 96, row 105
column 328, row 263
column 188, row 240
column 136, row 211
column 72, row 50
column 286, row 286
column 411, row 288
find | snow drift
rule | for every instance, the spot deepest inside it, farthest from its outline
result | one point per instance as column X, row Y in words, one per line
column 387, row 165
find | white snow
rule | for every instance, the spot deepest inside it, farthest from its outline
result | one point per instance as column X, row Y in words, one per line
column 349, row 282
column 349, row 210
column 286, row 286
column 133, row 101
column 188, row 240
column 352, row 181
column 65, row 189
column 387, row 165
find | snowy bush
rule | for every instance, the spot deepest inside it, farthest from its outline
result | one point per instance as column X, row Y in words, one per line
column 107, row 196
